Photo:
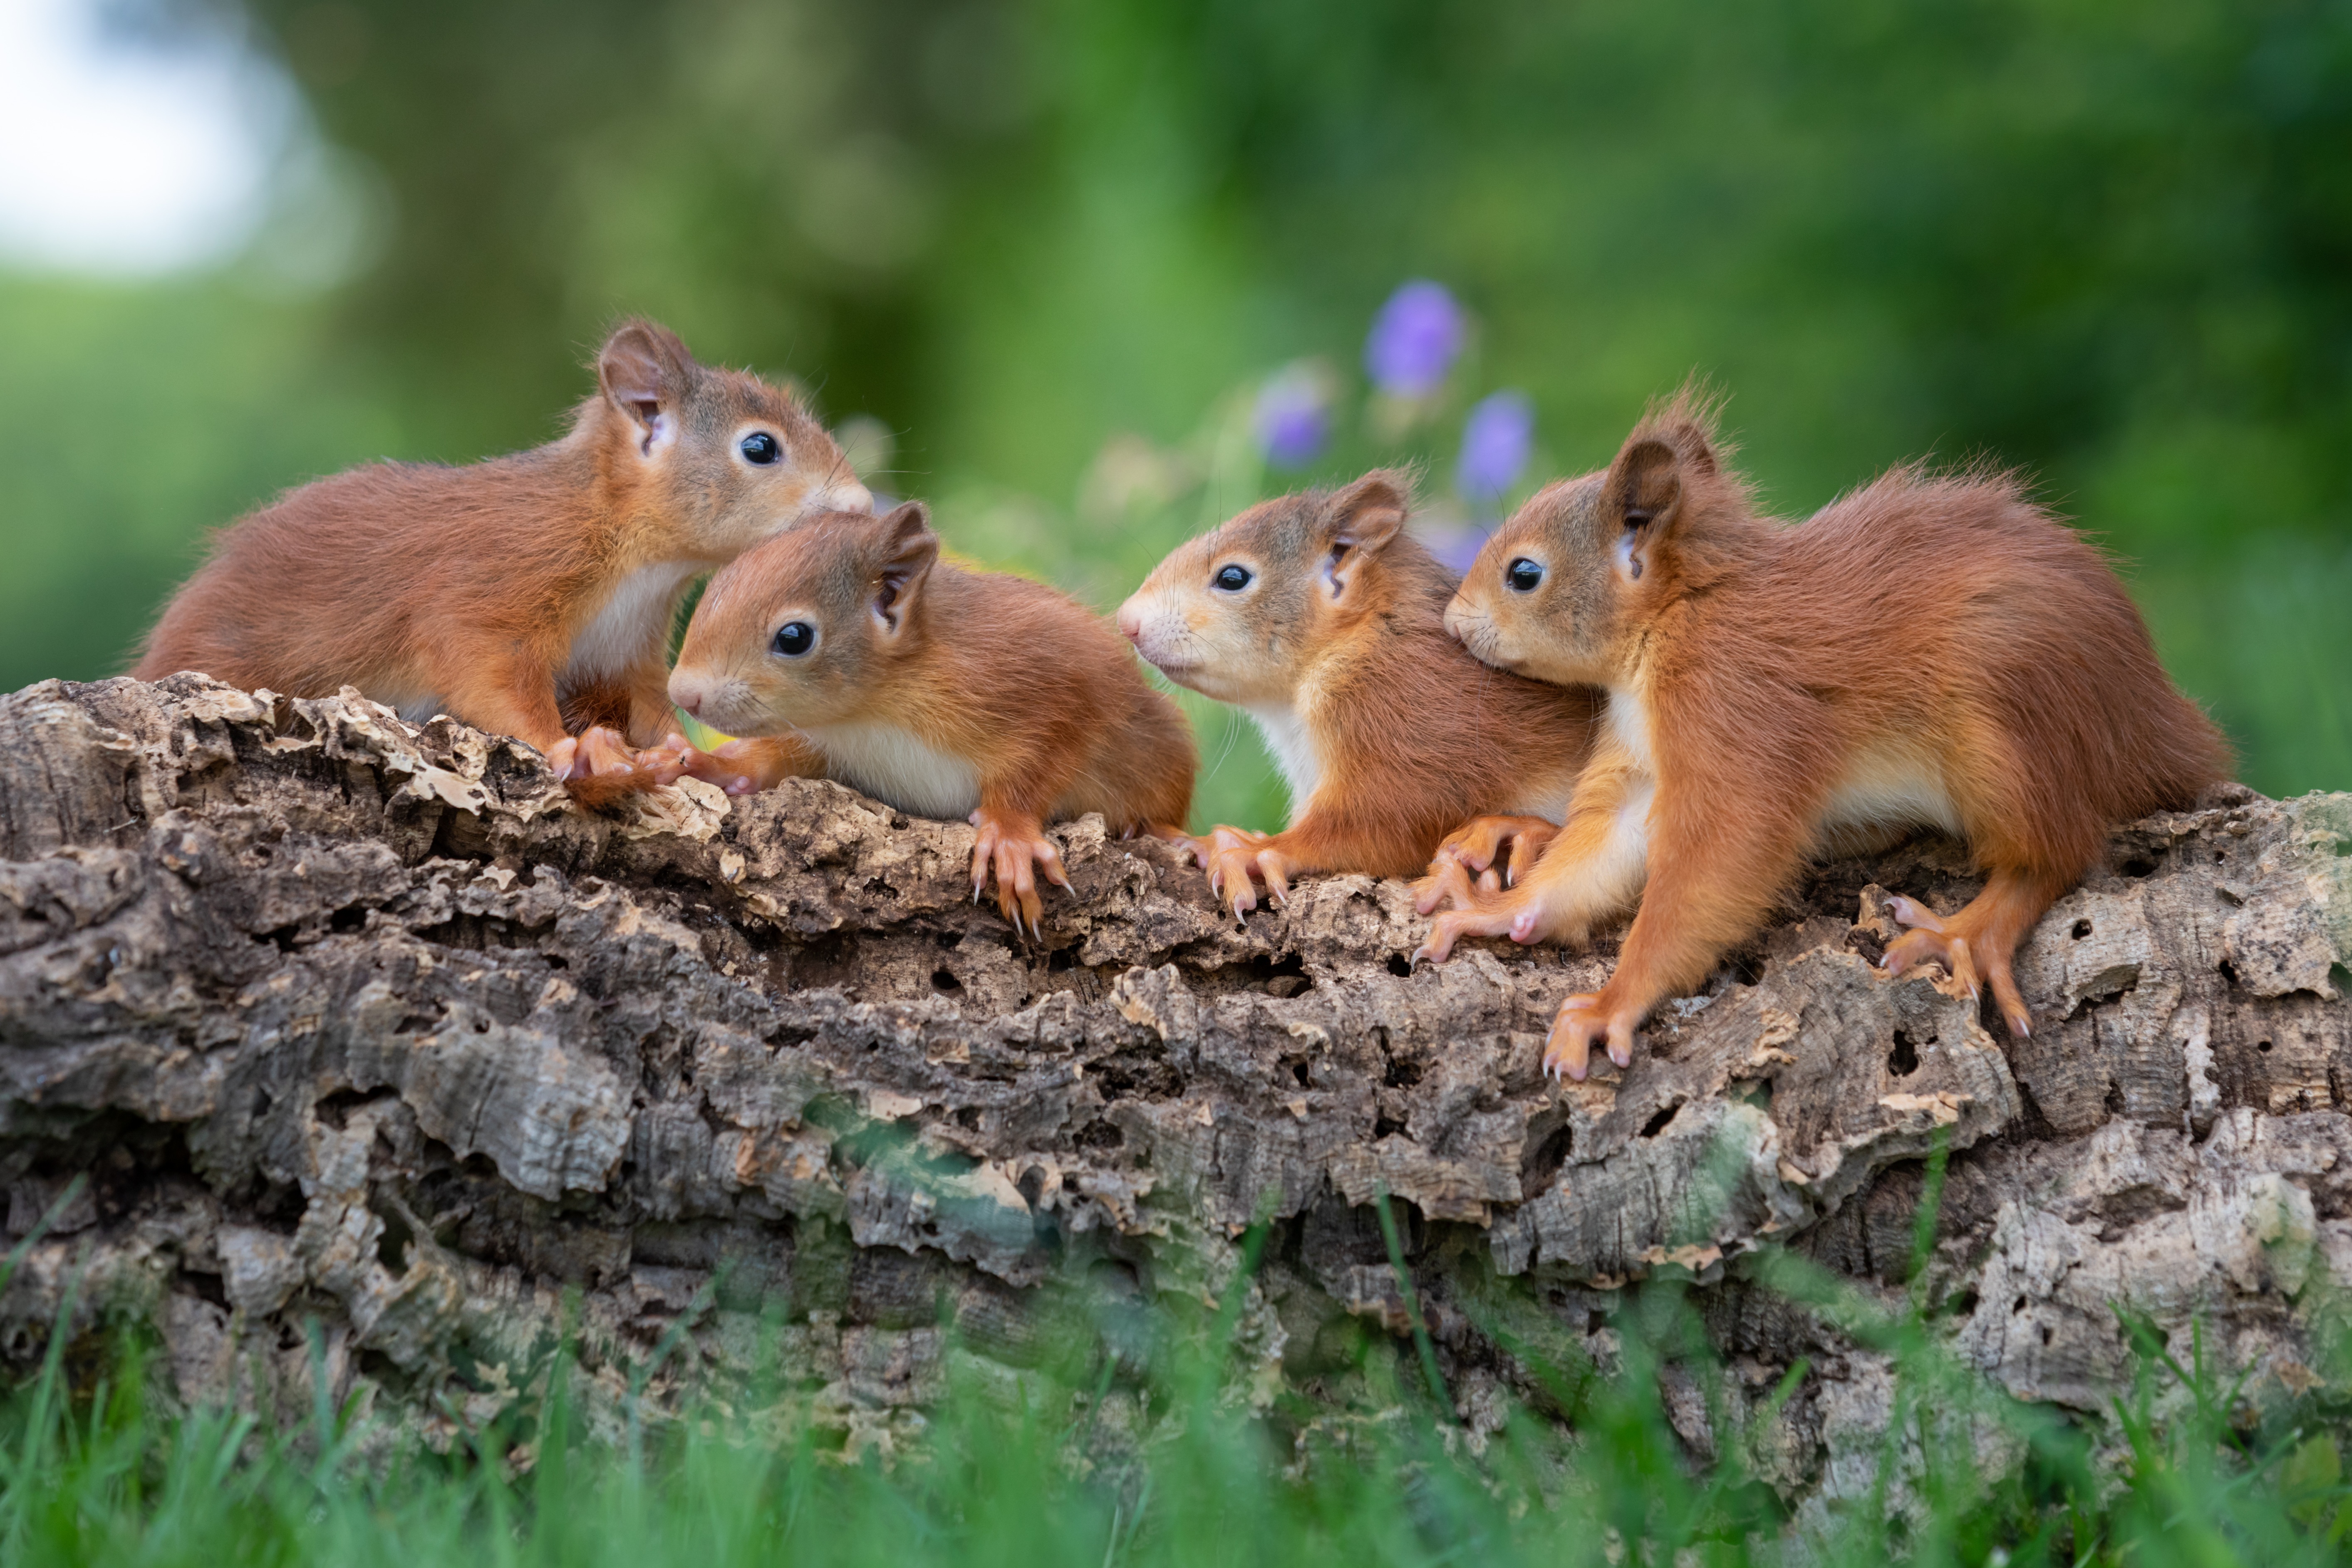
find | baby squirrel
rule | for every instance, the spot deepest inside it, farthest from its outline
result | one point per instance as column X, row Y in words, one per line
column 942, row 692
column 530, row 594
column 1929, row 651
column 1321, row 619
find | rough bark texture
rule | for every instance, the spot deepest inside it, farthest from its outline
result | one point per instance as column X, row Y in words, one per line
column 359, row 1023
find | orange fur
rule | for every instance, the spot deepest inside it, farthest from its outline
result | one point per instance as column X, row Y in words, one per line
column 1338, row 645
column 1931, row 650
column 939, row 691
column 530, row 594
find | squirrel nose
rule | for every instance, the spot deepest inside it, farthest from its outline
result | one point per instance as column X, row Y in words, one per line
column 687, row 694
column 851, row 497
column 1130, row 621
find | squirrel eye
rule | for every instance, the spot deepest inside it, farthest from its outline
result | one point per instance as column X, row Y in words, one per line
column 1233, row 579
column 761, row 447
column 1523, row 575
column 794, row 638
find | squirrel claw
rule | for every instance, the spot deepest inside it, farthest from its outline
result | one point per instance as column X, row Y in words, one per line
column 1013, row 847
column 1583, row 1018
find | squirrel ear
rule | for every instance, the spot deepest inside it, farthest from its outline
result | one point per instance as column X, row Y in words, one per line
column 1645, row 489
column 909, row 549
column 1368, row 513
column 644, row 371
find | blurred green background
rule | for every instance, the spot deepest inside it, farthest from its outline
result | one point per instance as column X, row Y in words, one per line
column 1044, row 255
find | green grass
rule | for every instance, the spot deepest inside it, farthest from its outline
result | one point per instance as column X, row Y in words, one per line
column 1157, row 1455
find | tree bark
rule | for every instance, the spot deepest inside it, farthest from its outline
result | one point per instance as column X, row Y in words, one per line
column 358, row 1022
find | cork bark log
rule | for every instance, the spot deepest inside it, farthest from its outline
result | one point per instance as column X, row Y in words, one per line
column 358, row 1028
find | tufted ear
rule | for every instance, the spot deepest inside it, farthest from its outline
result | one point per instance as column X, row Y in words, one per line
column 645, row 370
column 1367, row 514
column 1647, row 489
column 909, row 549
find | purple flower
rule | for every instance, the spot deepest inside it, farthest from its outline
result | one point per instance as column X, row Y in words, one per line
column 1414, row 339
column 1292, row 416
column 1497, row 441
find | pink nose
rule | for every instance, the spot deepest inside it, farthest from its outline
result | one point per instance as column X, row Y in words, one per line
column 1130, row 622
column 686, row 694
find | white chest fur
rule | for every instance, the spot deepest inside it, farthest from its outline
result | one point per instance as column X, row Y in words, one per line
column 898, row 768
column 634, row 618
column 1294, row 753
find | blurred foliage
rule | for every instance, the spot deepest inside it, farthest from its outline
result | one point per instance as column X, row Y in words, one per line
column 1054, row 247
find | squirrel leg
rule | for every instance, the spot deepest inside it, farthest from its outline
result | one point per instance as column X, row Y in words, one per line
column 1982, row 939
column 1012, row 842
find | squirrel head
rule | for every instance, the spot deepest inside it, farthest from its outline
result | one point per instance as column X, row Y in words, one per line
column 725, row 458
column 800, row 631
column 1562, row 591
column 1242, row 613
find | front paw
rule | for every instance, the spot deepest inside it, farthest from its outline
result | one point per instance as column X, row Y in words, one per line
column 1016, row 848
column 1583, row 1019
column 1480, row 845
column 1237, row 860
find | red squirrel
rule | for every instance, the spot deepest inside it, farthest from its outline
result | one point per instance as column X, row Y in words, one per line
column 1928, row 651
column 531, row 594
column 847, row 645
column 1322, row 619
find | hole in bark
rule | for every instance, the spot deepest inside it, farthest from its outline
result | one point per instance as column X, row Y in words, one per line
column 1401, row 1073
column 1657, row 1123
column 1100, row 1135
column 1399, row 965
column 414, row 1024
column 944, row 982
column 1962, row 1304
column 2082, row 929
column 1595, row 1320
column 2046, row 1333
column 948, row 940
column 1904, row 1059
column 2229, row 972
column 1384, row 1126
column 1284, row 977
column 1032, row 1185
column 392, row 1246
column 2018, row 1307
column 282, row 938
column 2262, row 1046
column 2137, row 865
column 1543, row 1166
column 347, row 920
column 1298, row 1075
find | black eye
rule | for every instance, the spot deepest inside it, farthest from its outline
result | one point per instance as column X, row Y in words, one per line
column 1523, row 575
column 1233, row 579
column 761, row 447
column 794, row 638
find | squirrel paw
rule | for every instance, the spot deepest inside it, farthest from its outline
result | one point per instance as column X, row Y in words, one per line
column 1583, row 1018
column 1237, row 859
column 1449, row 882
column 1930, row 936
column 1487, row 914
column 1016, row 847
column 598, row 766
column 1477, row 843
column 732, row 767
